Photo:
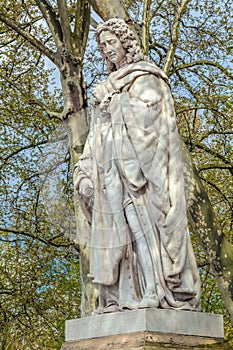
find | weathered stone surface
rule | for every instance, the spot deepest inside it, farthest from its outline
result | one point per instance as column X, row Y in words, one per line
column 140, row 320
column 146, row 341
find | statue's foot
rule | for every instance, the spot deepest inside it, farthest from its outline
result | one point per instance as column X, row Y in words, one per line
column 148, row 303
column 111, row 308
column 150, row 300
column 98, row 311
column 129, row 305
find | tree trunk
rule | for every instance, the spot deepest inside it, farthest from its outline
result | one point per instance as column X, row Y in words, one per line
column 75, row 117
column 218, row 249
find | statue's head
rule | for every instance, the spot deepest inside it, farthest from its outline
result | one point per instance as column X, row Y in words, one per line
column 128, row 40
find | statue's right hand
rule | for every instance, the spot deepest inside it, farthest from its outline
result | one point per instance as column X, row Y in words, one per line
column 98, row 92
column 86, row 188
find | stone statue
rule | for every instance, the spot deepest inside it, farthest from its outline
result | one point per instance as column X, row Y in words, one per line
column 131, row 186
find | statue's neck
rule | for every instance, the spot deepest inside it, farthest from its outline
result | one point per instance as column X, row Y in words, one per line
column 122, row 63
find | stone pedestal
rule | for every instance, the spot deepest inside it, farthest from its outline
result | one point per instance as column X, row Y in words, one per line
column 151, row 329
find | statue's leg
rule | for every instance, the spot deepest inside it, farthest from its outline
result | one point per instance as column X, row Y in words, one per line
column 150, row 298
column 111, row 295
column 108, row 299
column 129, row 294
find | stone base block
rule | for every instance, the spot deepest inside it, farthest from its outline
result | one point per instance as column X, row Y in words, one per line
column 146, row 341
column 150, row 329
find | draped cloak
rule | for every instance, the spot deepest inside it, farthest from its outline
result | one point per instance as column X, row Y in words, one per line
column 132, row 155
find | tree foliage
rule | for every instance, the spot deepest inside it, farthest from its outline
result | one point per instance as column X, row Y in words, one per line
column 39, row 271
column 39, row 275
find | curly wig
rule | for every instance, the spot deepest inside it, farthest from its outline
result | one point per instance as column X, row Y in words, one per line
column 129, row 42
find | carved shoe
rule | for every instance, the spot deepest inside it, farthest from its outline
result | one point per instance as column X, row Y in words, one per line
column 129, row 305
column 150, row 300
column 98, row 311
column 111, row 308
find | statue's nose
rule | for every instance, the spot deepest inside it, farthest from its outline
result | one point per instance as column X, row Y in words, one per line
column 109, row 48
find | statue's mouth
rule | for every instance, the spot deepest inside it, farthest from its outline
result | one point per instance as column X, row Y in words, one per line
column 112, row 55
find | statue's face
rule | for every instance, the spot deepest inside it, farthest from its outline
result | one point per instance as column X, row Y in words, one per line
column 112, row 48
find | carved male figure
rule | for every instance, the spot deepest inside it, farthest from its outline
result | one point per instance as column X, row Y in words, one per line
column 131, row 186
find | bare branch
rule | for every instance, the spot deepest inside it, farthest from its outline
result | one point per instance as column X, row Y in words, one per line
column 81, row 27
column 215, row 132
column 23, row 148
column 213, row 166
column 156, row 44
column 31, row 235
column 106, row 10
column 55, row 237
column 155, row 10
column 218, row 190
column 55, row 115
column 215, row 154
column 7, row 291
column 53, row 23
column 31, row 39
column 94, row 24
column 64, row 22
column 174, row 37
column 31, row 98
column 188, row 86
column 145, row 25
column 191, row 108
column 202, row 63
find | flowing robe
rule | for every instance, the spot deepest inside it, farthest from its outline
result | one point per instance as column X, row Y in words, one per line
column 132, row 155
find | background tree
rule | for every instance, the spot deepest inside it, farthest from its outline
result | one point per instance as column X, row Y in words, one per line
column 191, row 41
column 39, row 275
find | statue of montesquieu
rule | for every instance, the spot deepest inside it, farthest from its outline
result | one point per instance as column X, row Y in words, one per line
column 131, row 187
